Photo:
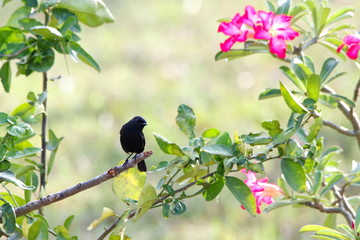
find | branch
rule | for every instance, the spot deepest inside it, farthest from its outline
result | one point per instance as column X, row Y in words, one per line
column 52, row 198
column 340, row 129
column 43, row 136
column 320, row 206
column 348, row 112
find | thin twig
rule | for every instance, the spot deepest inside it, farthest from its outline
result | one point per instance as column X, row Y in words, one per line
column 18, row 52
column 52, row 198
column 348, row 112
column 343, row 201
column 356, row 91
column 340, row 129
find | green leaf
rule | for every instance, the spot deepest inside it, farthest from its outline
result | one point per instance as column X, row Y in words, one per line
column 256, row 139
column 70, row 22
column 90, row 12
column 38, row 230
column 10, row 35
column 29, row 113
column 211, row 133
column 328, row 100
column 47, row 32
column 357, row 219
column 318, row 180
column 291, row 75
column 284, row 7
column 168, row 147
column 242, row 193
column 3, row 151
column 224, row 139
column 166, row 210
column 62, row 233
column 162, row 165
column 106, row 213
column 314, row 228
column 293, row 149
column 5, row 75
column 52, row 145
column 3, row 118
column 284, row 136
column 43, row 60
column 128, row 185
column 9, row 176
column 294, row 174
column 186, row 120
column 269, row 93
column 178, row 208
column 211, row 192
column 324, row 158
column 332, row 49
column 328, row 66
column 342, row 13
column 334, row 180
column 323, row 16
column 349, row 102
column 314, row 129
column 298, row 11
column 8, row 217
column 80, row 53
column 4, row 165
column 232, row 54
column 292, row 102
column 24, row 153
column 313, row 87
column 68, row 222
column 278, row 204
column 146, row 199
column 349, row 232
column 29, row 23
column 169, row 189
column 53, row 142
column 270, row 6
column 330, row 220
column 273, row 126
column 218, row 149
column 17, row 15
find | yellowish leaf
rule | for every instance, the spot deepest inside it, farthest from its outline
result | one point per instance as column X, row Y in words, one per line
column 107, row 212
column 128, row 185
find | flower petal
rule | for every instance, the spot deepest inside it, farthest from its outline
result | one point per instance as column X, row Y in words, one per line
column 278, row 46
column 353, row 51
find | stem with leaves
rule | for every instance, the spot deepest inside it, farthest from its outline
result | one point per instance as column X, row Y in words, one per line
column 43, row 137
column 156, row 203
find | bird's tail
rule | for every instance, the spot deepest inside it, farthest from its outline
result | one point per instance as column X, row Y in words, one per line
column 142, row 166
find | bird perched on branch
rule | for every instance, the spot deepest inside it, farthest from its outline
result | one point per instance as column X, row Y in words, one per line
column 132, row 139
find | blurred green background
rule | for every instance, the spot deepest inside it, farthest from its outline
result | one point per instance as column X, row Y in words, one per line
column 157, row 55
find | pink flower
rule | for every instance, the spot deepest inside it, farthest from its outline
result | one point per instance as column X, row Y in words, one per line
column 277, row 29
column 353, row 44
column 235, row 29
column 261, row 189
column 265, row 26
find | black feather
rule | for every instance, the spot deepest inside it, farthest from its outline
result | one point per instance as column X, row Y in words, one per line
column 132, row 138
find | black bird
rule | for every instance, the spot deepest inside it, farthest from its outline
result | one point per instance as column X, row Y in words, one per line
column 132, row 139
